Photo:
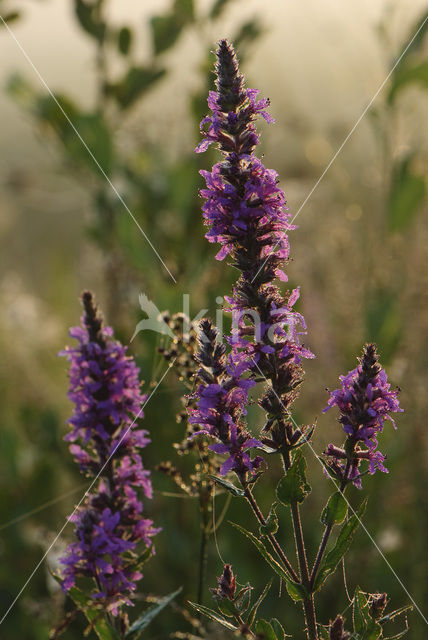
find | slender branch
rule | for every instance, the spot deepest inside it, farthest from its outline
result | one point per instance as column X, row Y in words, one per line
column 274, row 542
column 327, row 532
column 320, row 553
column 308, row 603
column 203, row 556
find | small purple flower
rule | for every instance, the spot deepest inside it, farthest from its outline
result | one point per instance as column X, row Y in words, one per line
column 109, row 527
column 365, row 400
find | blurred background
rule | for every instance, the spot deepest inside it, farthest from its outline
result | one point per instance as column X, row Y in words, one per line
column 133, row 78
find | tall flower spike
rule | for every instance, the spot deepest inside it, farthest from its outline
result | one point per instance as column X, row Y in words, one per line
column 365, row 400
column 109, row 527
column 246, row 213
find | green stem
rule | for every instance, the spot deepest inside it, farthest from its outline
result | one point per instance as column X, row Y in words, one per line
column 203, row 556
column 308, row 603
column 327, row 532
column 274, row 542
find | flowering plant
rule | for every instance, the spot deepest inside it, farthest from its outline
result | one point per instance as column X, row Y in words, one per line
column 245, row 211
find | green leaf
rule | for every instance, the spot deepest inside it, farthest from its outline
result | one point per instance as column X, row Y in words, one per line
column 184, row 10
column 324, row 633
column 124, row 40
column 167, row 28
column 243, row 597
column 293, row 488
column 358, row 617
column 343, row 542
column 335, row 510
column 87, row 16
column 271, row 525
column 253, row 611
column 373, row 631
column 94, row 615
column 279, row 629
column 227, row 607
column 12, row 16
column 235, row 491
column 165, row 32
column 421, row 29
column 264, row 628
column 295, row 590
column 86, row 131
column 218, row 8
column 246, row 35
column 137, row 81
column 406, row 195
column 406, row 75
column 213, row 615
column 145, row 619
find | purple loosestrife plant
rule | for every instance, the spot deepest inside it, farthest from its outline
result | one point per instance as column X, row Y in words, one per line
column 245, row 211
column 106, row 442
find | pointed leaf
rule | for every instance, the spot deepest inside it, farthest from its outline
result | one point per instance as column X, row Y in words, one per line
column 295, row 590
column 343, row 542
column 235, row 491
column 213, row 615
column 136, row 82
column 335, row 510
column 243, row 598
column 358, row 616
column 165, row 32
column 394, row 614
column 145, row 619
column 293, row 488
column 271, row 525
column 86, row 13
column 279, row 629
column 256, row 605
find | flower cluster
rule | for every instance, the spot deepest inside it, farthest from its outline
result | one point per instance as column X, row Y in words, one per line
column 221, row 397
column 105, row 390
column 246, row 213
column 365, row 400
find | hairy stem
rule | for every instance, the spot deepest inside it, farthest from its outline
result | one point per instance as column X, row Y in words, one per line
column 274, row 542
column 203, row 556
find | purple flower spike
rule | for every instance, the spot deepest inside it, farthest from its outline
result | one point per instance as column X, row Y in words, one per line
column 365, row 400
column 109, row 527
column 246, row 213
column 220, row 405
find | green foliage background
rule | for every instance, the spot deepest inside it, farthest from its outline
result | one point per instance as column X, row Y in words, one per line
column 360, row 255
